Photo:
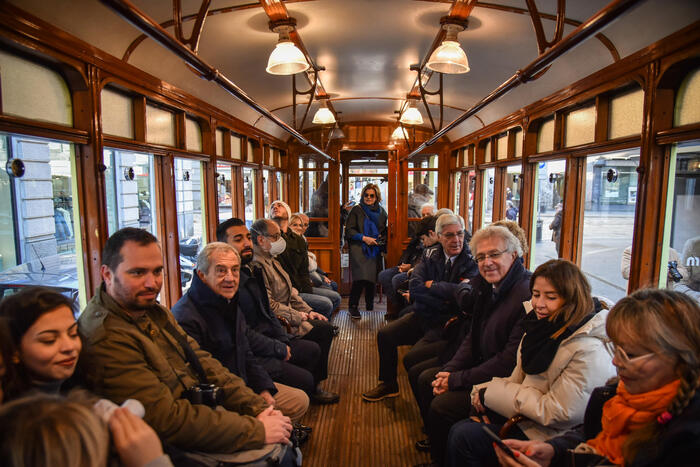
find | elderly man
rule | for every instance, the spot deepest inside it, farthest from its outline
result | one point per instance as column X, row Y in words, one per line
column 134, row 348
column 209, row 313
column 295, row 261
column 432, row 287
column 286, row 303
column 428, row 209
column 287, row 358
column 495, row 302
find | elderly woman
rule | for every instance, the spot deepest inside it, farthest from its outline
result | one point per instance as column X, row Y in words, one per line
column 652, row 416
column 365, row 229
column 489, row 349
column 561, row 360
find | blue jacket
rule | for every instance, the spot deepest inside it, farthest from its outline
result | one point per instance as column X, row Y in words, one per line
column 220, row 328
column 436, row 304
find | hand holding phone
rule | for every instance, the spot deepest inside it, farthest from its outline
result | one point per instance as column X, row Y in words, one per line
column 498, row 441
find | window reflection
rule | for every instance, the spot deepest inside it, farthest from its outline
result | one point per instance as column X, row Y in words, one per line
column 190, row 215
column 487, row 192
column 547, row 211
column 249, row 195
column 313, row 201
column 223, row 191
column 512, row 192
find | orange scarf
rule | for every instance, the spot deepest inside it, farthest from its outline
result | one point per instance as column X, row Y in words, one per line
column 626, row 412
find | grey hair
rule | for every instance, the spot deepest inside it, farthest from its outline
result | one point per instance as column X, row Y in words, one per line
column 511, row 241
column 204, row 256
column 428, row 205
column 442, row 211
column 259, row 228
column 447, row 219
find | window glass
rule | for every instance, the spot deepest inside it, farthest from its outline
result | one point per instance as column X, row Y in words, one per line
column 249, row 195
column 429, row 161
column 626, row 112
column 471, row 186
column 502, row 147
column 313, row 200
column 250, row 154
column 40, row 228
column 130, row 190
column 608, row 220
column 280, row 188
column 191, row 223
column 193, row 135
column 518, row 143
column 117, row 114
column 487, row 152
column 680, row 267
column 512, row 192
column 223, row 190
column 219, row 142
column 545, row 136
column 487, row 196
column 267, row 186
column 580, row 126
column 547, row 212
column 236, row 142
column 422, row 189
column 160, row 126
column 687, row 110
column 457, row 183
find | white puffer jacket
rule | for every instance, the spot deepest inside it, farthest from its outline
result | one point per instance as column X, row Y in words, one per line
column 555, row 401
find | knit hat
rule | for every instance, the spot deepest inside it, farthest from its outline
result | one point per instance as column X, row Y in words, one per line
column 286, row 206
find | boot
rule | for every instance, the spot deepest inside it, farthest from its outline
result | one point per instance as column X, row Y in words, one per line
column 392, row 311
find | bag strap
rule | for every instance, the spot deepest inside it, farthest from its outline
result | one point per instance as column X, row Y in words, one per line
column 189, row 353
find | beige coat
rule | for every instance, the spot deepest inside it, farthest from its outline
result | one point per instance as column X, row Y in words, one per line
column 285, row 301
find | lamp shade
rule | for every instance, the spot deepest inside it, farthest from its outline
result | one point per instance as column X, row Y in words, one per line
column 448, row 58
column 411, row 116
column 286, row 59
column 323, row 116
column 399, row 133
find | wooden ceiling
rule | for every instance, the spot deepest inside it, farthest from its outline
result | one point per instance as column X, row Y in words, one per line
column 367, row 47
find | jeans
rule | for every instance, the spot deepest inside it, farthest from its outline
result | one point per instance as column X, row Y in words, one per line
column 468, row 443
column 333, row 296
column 319, row 303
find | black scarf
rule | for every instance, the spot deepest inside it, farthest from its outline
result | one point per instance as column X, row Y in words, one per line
column 539, row 348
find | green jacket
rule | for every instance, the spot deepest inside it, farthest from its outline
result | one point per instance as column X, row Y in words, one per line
column 135, row 358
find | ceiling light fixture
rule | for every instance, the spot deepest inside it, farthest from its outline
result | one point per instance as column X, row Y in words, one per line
column 323, row 115
column 449, row 57
column 286, row 59
column 399, row 133
column 411, row 116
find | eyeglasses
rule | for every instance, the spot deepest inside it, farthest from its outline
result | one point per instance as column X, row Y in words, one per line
column 621, row 356
column 451, row 235
column 222, row 271
column 494, row 256
column 274, row 237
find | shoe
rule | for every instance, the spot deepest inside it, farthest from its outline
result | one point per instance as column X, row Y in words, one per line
column 299, row 426
column 354, row 312
column 325, row 397
column 379, row 392
column 369, row 308
column 391, row 311
column 300, row 435
column 423, row 445
column 336, row 331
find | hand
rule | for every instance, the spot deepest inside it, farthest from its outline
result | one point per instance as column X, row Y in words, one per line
column 403, row 267
column 304, row 316
column 289, row 354
column 277, row 426
column 136, row 442
column 326, row 280
column 268, row 397
column 407, row 296
column 440, row 384
column 428, row 284
column 314, row 315
column 476, row 402
column 369, row 240
column 529, row 453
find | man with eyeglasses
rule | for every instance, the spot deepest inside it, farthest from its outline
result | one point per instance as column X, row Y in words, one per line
column 432, row 286
column 209, row 313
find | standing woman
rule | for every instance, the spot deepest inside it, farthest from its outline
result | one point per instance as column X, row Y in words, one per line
column 365, row 226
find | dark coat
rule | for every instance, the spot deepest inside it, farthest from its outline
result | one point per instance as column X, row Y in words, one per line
column 268, row 338
column 295, row 261
column 220, row 328
column 437, row 304
column 489, row 349
column 413, row 252
column 678, row 443
column 363, row 268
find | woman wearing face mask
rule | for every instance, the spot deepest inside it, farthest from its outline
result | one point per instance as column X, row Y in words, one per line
column 562, row 358
column 365, row 229
column 651, row 416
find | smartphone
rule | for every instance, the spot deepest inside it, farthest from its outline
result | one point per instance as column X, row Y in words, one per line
column 498, row 441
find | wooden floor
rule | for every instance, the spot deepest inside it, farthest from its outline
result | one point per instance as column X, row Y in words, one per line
column 354, row 432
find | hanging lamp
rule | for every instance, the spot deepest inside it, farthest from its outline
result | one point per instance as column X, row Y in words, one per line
column 286, row 59
column 411, row 116
column 323, row 115
column 449, row 57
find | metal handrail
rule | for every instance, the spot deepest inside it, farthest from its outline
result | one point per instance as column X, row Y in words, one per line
column 148, row 26
column 587, row 29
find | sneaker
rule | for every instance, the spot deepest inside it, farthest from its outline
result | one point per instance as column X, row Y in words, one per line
column 381, row 391
column 354, row 312
column 301, row 436
column 423, row 445
column 325, row 397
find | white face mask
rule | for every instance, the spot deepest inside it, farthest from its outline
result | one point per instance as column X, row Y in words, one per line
column 278, row 247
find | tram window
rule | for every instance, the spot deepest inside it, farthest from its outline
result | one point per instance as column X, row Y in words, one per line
column 422, row 190
column 471, row 186
column 424, row 162
column 457, row 184
column 682, row 229
column 608, row 220
column 547, row 212
column 223, row 191
column 313, row 201
column 40, row 228
column 267, row 186
column 191, row 226
column 280, row 186
column 249, row 195
column 130, row 187
column 487, row 196
column 512, row 192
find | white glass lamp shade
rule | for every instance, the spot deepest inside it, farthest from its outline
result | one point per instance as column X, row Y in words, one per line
column 411, row 116
column 449, row 58
column 286, row 59
column 399, row 133
column 323, row 116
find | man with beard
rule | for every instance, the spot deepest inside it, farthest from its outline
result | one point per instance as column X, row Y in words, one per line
column 134, row 348
column 295, row 261
column 288, row 359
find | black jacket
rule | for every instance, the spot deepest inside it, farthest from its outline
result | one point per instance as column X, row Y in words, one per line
column 678, row 443
column 489, row 349
column 413, row 252
column 295, row 261
column 220, row 328
column 436, row 304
